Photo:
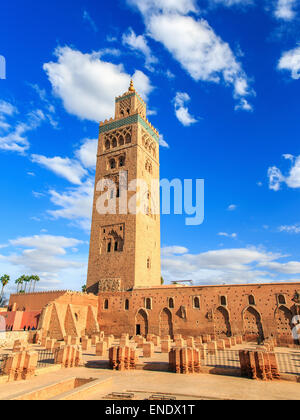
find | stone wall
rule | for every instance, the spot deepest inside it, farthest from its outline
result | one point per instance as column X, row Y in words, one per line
column 7, row 339
column 254, row 311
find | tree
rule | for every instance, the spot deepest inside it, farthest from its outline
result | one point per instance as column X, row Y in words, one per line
column 33, row 281
column 3, row 301
column 83, row 289
column 19, row 283
column 26, row 280
column 4, row 281
column 162, row 280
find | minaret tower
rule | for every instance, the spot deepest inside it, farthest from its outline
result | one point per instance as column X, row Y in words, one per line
column 125, row 246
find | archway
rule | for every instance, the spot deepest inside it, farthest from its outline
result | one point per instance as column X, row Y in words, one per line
column 284, row 324
column 165, row 323
column 222, row 322
column 253, row 328
column 141, row 323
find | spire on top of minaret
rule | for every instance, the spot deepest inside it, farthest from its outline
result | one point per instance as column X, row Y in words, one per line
column 131, row 87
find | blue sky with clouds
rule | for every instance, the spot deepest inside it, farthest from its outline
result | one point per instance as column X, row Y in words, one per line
column 221, row 79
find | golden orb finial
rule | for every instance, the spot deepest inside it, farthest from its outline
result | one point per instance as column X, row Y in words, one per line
column 131, row 87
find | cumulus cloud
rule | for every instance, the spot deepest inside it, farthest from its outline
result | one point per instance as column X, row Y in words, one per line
column 164, row 6
column 230, row 266
column 285, row 9
column 194, row 44
column 15, row 139
column 290, row 61
column 139, row 43
column 87, row 153
column 64, row 167
column 292, row 179
column 74, row 204
column 181, row 111
column 86, row 84
column 44, row 255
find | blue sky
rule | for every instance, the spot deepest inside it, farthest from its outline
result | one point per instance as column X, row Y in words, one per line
column 221, row 79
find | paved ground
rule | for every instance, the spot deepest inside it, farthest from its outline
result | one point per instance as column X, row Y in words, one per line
column 144, row 383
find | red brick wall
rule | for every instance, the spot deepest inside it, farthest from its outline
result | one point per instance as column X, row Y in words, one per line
column 187, row 320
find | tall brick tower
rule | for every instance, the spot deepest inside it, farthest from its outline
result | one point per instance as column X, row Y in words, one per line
column 125, row 246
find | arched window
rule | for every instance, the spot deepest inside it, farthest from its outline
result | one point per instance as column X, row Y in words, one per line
column 116, row 246
column 171, row 303
column 121, row 141
column 114, row 142
column 148, row 303
column 128, row 138
column 281, row 300
column 107, row 144
column 109, row 247
column 196, row 302
column 106, row 304
column 112, row 164
column 122, row 161
column 223, row 301
column 251, row 300
column 126, row 305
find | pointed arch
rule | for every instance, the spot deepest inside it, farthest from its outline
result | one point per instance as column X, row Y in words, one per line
column 222, row 322
column 253, row 328
column 141, row 322
column 284, row 325
column 165, row 323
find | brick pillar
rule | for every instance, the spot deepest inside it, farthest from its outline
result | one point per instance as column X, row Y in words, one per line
column 101, row 348
column 148, row 349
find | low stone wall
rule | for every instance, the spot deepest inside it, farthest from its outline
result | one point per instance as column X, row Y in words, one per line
column 8, row 338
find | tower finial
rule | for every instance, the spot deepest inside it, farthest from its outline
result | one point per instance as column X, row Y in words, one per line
column 131, row 87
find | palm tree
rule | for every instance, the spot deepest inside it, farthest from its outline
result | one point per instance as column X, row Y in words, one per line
column 34, row 279
column 83, row 289
column 26, row 280
column 19, row 283
column 4, row 280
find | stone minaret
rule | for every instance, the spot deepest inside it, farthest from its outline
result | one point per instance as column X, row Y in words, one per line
column 125, row 246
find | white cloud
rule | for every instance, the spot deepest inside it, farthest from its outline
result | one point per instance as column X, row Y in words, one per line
column 165, row 6
column 182, row 112
column 244, row 106
column 162, row 142
column 89, row 20
column 228, row 235
column 139, row 44
column 290, row 229
column 232, row 207
column 170, row 250
column 292, row 180
column 86, row 84
column 64, row 167
column 290, row 60
column 230, row 3
column 87, row 153
column 75, row 204
column 16, row 140
column 44, row 255
column 285, row 9
column 229, row 266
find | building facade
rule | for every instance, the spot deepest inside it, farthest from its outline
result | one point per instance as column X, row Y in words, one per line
column 125, row 232
column 125, row 294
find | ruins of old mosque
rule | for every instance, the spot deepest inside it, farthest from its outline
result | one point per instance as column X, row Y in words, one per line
column 128, row 320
